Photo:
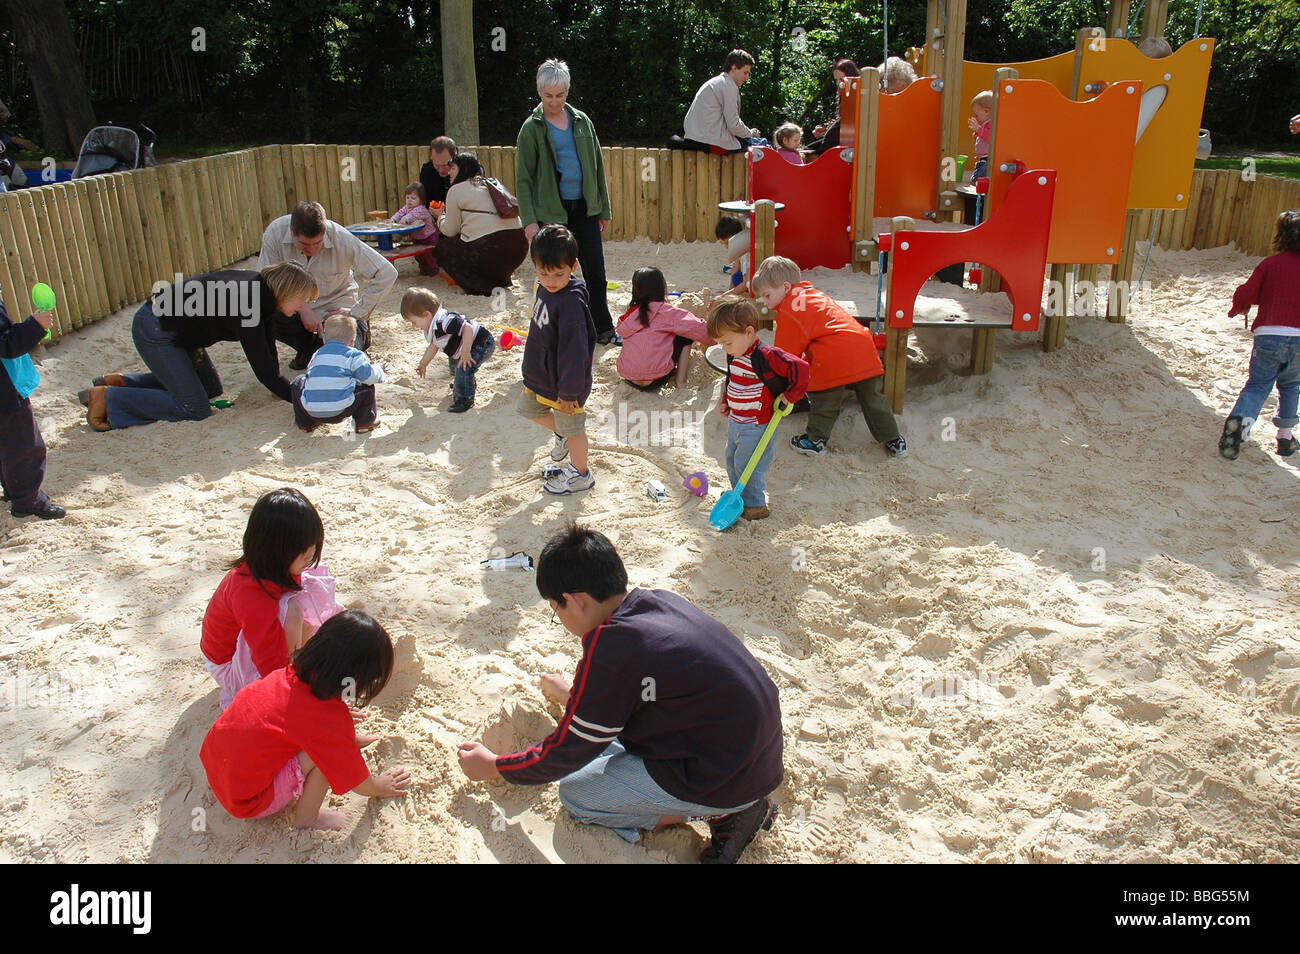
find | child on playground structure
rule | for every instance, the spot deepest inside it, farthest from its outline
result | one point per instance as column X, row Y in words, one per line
column 657, row 337
column 340, row 381
column 243, row 636
column 841, row 355
column 1274, row 286
column 734, row 234
column 980, row 123
column 756, row 376
column 416, row 209
column 22, row 449
column 557, row 359
column 292, row 734
column 466, row 343
column 668, row 719
column 787, row 138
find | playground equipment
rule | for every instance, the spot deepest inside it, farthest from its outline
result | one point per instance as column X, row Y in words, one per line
column 1079, row 140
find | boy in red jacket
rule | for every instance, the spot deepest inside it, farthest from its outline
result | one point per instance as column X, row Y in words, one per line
column 841, row 352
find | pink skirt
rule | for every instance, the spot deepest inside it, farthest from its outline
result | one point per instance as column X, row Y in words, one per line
column 287, row 786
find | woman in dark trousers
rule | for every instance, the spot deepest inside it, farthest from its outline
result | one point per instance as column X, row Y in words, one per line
column 476, row 247
column 172, row 331
column 560, row 179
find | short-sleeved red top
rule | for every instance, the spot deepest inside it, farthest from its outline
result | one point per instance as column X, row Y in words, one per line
column 270, row 722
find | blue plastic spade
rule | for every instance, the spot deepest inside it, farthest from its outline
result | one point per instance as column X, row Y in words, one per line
column 731, row 505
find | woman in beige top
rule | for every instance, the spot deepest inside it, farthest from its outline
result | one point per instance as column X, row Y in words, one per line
column 477, row 248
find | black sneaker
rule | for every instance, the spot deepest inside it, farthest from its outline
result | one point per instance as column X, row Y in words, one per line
column 1286, row 446
column 733, row 833
column 1230, row 441
column 461, row 405
column 300, row 362
column 49, row 510
column 897, row 447
column 807, row 445
column 610, row 337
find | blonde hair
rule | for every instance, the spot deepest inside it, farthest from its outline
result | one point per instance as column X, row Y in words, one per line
column 1155, row 48
column 983, row 98
column 732, row 313
column 784, row 132
column 418, row 301
column 774, row 271
column 340, row 328
column 896, row 75
column 289, row 280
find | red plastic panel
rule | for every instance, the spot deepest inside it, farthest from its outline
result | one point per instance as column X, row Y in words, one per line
column 1013, row 241
column 813, row 228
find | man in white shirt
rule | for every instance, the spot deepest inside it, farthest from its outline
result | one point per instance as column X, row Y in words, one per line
column 714, row 117
column 350, row 276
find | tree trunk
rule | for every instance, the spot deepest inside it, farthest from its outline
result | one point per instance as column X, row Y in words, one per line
column 459, row 82
column 49, row 52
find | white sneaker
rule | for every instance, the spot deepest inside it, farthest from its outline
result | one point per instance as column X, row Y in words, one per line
column 560, row 448
column 569, row 481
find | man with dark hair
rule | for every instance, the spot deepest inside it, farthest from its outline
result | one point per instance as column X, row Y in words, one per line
column 669, row 718
column 350, row 275
column 435, row 175
column 713, row 121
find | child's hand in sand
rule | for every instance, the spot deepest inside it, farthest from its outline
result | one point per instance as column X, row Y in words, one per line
column 392, row 782
column 421, row 368
column 357, row 715
column 555, row 688
column 364, row 740
column 478, row 761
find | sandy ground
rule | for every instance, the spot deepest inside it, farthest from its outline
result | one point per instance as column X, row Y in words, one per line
column 1055, row 632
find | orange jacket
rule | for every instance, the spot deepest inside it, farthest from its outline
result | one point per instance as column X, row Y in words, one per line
column 840, row 351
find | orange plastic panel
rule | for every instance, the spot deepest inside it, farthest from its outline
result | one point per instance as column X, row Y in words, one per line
column 907, row 150
column 1013, row 241
column 1166, row 146
column 977, row 77
column 1089, row 144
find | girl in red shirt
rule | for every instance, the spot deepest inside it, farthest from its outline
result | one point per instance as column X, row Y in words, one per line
column 243, row 637
column 292, row 735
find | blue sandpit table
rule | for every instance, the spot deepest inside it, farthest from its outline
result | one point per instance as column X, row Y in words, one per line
column 383, row 232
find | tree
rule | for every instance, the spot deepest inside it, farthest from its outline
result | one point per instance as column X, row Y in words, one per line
column 459, row 82
column 45, row 43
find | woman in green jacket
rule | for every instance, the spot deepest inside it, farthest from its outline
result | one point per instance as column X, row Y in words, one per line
column 560, row 180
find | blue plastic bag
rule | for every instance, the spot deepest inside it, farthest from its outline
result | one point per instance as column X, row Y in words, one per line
column 23, row 373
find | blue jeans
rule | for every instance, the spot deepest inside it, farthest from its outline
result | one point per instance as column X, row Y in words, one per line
column 180, row 383
column 615, row 790
column 1273, row 359
column 741, row 441
column 465, row 384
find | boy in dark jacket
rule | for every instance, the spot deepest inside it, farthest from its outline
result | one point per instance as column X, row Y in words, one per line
column 557, row 359
column 22, row 451
column 669, row 717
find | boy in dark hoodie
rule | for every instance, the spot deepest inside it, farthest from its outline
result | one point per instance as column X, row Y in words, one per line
column 557, row 359
column 22, row 451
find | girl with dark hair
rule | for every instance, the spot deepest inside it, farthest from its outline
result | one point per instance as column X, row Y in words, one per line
column 657, row 336
column 1274, row 286
column 251, row 624
column 477, row 248
column 292, row 735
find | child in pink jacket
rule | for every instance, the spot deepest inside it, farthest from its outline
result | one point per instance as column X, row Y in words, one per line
column 656, row 335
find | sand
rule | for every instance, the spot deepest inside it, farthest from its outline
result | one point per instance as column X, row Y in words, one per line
column 1056, row 632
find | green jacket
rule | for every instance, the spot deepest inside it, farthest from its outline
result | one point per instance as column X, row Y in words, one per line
column 536, row 182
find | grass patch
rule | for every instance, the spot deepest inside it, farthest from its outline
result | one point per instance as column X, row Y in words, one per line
column 1288, row 167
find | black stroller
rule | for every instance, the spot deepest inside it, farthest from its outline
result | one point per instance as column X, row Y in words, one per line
column 115, row 149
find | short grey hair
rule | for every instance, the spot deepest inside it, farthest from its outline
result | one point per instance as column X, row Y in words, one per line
column 551, row 74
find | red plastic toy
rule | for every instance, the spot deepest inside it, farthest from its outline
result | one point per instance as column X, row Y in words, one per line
column 813, row 228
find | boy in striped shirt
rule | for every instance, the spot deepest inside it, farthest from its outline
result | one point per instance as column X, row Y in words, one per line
column 756, row 375
column 340, row 381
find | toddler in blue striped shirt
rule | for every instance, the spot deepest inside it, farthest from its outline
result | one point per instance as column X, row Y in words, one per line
column 340, row 381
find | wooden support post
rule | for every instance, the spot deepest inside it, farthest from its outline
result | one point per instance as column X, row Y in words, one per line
column 953, row 110
column 896, row 338
column 1057, row 308
column 864, row 169
column 764, row 247
column 1121, row 274
column 1153, row 18
column 1088, row 274
column 991, row 281
column 934, row 38
column 1117, row 16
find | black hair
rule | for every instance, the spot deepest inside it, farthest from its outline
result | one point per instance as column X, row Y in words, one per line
column 1287, row 237
column 554, row 247
column 728, row 226
column 282, row 525
column 467, row 167
column 578, row 560
column 351, row 655
column 648, row 285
